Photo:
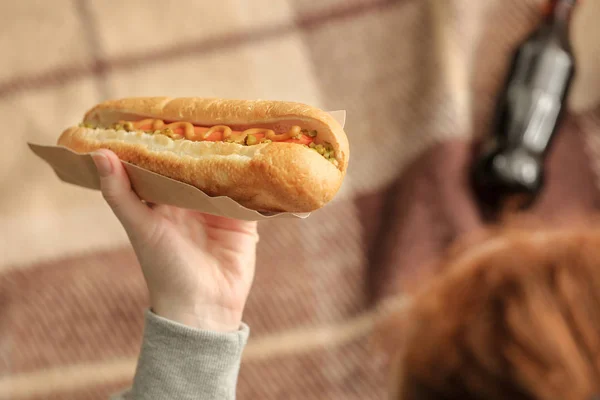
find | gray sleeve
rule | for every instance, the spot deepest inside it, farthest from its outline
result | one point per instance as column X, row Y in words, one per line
column 179, row 362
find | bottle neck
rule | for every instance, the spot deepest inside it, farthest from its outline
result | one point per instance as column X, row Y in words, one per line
column 559, row 16
column 562, row 10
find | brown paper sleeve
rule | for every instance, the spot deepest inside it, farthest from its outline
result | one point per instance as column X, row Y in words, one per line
column 79, row 169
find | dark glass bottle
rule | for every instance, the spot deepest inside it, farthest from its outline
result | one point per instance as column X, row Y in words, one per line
column 529, row 111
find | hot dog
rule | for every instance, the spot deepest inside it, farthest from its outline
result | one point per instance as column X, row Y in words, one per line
column 269, row 156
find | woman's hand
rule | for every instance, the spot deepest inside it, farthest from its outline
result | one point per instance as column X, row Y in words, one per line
column 199, row 268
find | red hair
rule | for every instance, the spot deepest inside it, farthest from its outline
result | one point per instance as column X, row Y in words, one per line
column 514, row 314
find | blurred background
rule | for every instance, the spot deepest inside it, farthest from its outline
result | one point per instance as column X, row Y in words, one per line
column 418, row 79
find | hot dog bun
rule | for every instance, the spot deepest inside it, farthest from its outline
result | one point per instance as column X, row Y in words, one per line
column 270, row 177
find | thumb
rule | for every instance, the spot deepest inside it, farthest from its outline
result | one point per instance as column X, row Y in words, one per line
column 117, row 191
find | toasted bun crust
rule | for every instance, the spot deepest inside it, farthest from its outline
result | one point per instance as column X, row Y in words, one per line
column 210, row 111
column 274, row 177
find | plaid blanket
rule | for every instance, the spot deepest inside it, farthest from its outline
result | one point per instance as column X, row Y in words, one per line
column 418, row 79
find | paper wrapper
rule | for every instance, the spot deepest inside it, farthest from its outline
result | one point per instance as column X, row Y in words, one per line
column 79, row 169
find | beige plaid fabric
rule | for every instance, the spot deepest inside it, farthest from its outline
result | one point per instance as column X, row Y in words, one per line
column 417, row 78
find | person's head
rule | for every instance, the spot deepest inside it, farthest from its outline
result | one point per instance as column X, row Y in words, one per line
column 515, row 315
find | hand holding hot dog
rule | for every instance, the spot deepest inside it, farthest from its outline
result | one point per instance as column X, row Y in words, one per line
column 199, row 268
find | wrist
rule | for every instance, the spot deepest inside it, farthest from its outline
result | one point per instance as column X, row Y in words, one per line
column 210, row 318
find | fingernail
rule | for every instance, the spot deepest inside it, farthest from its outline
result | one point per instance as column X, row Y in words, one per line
column 102, row 164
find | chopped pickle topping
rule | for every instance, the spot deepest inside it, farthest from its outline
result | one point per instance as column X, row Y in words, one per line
column 247, row 138
column 251, row 140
